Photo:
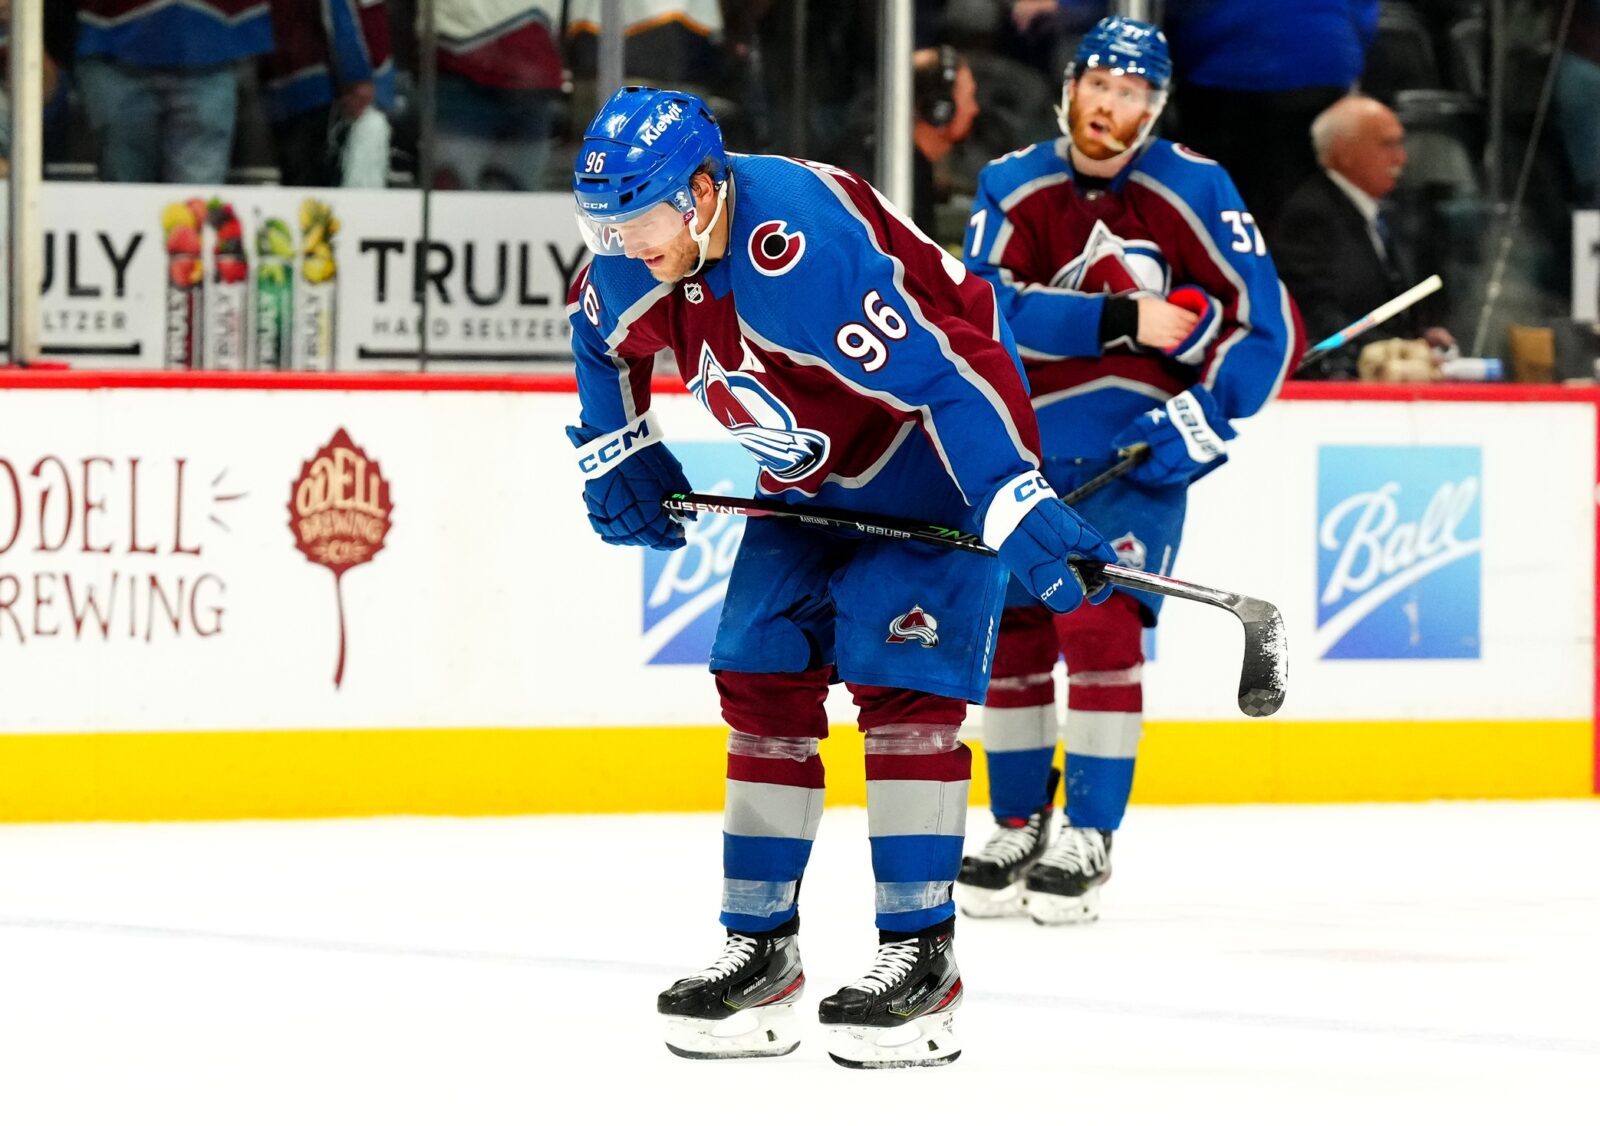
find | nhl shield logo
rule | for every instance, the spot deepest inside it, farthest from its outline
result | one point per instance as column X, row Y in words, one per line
column 694, row 292
column 916, row 624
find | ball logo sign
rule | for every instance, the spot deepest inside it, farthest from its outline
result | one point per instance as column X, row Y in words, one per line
column 1399, row 552
column 683, row 589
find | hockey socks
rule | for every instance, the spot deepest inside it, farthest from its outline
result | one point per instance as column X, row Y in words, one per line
column 917, row 778
column 770, row 815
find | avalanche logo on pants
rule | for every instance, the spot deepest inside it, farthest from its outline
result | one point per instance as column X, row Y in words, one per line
column 916, row 624
column 756, row 417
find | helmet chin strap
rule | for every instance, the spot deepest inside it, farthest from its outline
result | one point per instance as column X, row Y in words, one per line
column 702, row 239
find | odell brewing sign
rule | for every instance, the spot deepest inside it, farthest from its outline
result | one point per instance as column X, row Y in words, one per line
column 339, row 513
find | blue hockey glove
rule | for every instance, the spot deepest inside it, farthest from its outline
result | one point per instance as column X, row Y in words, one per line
column 1192, row 348
column 1040, row 538
column 1187, row 439
column 627, row 474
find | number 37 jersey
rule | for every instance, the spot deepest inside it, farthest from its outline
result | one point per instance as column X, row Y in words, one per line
column 856, row 361
column 1055, row 249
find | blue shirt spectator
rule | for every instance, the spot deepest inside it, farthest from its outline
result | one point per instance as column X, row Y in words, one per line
column 158, row 83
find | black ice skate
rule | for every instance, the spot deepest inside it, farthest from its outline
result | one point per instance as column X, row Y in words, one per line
column 990, row 883
column 902, row 1013
column 742, row 1004
column 1064, row 886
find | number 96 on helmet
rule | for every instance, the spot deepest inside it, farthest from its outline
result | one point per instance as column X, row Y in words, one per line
column 631, row 180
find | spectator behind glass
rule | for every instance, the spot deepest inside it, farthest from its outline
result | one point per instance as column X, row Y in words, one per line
column 1331, row 242
column 157, row 82
column 945, row 104
column 499, row 90
column 667, row 43
column 1577, row 96
column 51, row 82
column 1252, row 74
column 329, row 65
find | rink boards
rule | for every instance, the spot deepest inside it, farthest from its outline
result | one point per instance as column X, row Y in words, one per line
column 187, row 563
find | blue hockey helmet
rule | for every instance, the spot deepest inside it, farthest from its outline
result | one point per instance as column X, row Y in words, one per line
column 1122, row 46
column 635, row 164
column 1125, row 46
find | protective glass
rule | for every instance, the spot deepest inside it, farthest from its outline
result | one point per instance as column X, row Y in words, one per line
column 655, row 226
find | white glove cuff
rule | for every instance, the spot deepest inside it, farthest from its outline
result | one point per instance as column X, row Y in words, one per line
column 1203, row 443
column 1012, row 501
column 600, row 456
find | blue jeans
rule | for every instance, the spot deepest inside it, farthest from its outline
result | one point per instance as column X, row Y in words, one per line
column 159, row 125
column 491, row 138
column 1577, row 94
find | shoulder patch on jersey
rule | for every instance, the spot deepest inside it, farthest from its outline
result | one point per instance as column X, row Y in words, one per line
column 1189, row 154
column 774, row 250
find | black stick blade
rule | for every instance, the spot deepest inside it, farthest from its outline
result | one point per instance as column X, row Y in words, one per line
column 1264, row 678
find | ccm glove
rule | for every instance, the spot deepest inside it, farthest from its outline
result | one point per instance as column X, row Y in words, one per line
column 627, row 474
column 1187, row 439
column 1039, row 539
column 1192, row 348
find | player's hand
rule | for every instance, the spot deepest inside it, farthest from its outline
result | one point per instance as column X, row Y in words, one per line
column 1162, row 324
column 1187, row 438
column 1192, row 348
column 628, row 473
column 1041, row 539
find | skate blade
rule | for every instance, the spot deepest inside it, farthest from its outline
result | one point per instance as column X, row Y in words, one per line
column 989, row 903
column 1057, row 910
column 928, row 1041
column 770, row 1030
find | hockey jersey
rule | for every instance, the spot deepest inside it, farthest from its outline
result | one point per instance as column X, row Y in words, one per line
column 1054, row 251
column 855, row 360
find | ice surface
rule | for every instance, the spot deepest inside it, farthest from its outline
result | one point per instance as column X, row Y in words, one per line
column 1283, row 964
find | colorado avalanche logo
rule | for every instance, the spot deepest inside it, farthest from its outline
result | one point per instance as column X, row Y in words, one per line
column 1110, row 264
column 757, row 418
column 916, row 624
column 1131, row 551
column 773, row 250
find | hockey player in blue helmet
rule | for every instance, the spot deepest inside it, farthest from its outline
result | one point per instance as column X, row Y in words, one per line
column 1149, row 313
column 633, row 181
column 1123, row 70
column 862, row 368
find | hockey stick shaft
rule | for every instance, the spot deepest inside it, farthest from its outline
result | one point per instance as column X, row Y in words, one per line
column 1262, row 681
column 1390, row 308
column 1135, row 454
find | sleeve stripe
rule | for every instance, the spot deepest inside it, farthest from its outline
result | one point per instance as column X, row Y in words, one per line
column 1104, row 383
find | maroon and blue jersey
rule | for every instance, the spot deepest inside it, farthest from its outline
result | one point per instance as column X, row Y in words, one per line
column 1054, row 249
column 857, row 362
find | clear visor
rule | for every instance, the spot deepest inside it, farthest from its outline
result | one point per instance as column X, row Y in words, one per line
column 651, row 228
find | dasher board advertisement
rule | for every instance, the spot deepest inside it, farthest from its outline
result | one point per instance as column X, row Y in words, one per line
column 144, row 277
column 227, row 560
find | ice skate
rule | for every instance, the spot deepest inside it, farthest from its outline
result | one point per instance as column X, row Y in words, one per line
column 902, row 1013
column 1064, row 886
column 990, row 884
column 742, row 1005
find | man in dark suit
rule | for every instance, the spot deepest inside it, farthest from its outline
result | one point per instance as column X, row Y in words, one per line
column 1331, row 241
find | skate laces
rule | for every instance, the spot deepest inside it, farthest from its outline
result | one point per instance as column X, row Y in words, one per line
column 735, row 956
column 895, row 960
column 1010, row 844
column 1076, row 850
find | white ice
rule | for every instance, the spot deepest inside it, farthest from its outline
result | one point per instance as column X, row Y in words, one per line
column 1286, row 964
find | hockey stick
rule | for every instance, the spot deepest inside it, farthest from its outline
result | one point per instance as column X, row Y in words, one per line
column 1395, row 305
column 1133, row 455
column 1262, row 679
